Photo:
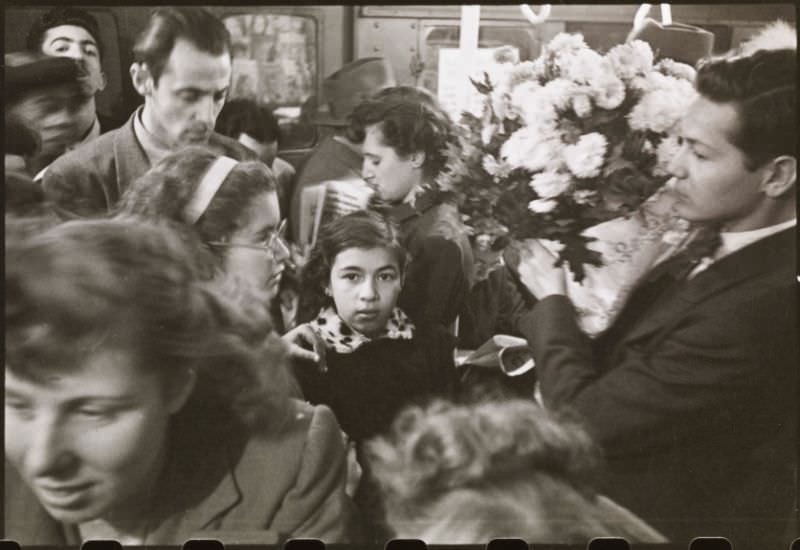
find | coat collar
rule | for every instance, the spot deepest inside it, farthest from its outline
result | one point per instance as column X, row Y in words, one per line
column 131, row 160
column 772, row 258
column 404, row 212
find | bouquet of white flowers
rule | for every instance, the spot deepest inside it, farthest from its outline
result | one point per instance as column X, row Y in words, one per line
column 566, row 142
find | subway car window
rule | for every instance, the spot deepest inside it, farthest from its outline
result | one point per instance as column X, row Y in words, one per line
column 525, row 40
column 275, row 62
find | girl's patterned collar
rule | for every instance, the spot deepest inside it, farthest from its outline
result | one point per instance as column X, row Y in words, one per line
column 342, row 339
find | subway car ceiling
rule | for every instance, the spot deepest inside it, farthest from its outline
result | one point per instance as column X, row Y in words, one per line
column 282, row 53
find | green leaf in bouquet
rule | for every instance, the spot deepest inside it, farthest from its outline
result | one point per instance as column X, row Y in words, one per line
column 484, row 87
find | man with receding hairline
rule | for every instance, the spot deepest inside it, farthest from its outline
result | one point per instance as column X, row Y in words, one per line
column 182, row 69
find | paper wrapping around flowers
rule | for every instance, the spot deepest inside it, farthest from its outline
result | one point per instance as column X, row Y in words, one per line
column 630, row 247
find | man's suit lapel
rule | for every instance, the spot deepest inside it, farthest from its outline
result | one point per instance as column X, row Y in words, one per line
column 130, row 159
column 771, row 258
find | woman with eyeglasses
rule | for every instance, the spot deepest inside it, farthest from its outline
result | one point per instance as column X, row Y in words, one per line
column 138, row 409
column 232, row 207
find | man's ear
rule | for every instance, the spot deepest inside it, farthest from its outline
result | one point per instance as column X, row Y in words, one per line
column 141, row 78
column 103, row 83
column 417, row 159
column 780, row 176
column 180, row 388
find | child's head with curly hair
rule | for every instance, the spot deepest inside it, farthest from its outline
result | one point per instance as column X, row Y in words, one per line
column 465, row 474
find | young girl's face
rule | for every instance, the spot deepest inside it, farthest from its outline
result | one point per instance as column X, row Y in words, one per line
column 365, row 284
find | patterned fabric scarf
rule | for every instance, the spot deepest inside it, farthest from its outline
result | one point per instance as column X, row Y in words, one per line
column 342, row 339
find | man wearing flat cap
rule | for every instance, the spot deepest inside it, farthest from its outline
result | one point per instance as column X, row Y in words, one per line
column 71, row 32
column 337, row 157
column 46, row 95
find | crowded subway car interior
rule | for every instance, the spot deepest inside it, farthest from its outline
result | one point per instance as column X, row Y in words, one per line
column 356, row 273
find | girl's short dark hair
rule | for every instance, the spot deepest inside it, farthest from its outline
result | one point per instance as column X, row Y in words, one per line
column 133, row 286
column 409, row 124
column 165, row 190
column 362, row 229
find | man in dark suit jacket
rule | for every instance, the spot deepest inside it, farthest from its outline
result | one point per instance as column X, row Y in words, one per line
column 692, row 392
column 182, row 68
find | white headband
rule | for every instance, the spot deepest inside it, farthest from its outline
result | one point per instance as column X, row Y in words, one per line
column 208, row 187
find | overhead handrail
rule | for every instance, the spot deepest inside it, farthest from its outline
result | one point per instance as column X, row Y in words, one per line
column 644, row 9
column 532, row 16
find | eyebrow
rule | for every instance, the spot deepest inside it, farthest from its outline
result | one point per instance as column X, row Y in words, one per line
column 68, row 39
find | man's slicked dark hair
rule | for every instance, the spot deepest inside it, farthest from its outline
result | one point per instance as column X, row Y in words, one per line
column 763, row 89
column 63, row 15
column 197, row 25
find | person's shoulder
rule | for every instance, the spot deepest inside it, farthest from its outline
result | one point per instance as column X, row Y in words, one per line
column 96, row 152
column 304, row 424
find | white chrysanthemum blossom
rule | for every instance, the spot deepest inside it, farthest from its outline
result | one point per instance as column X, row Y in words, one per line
column 667, row 150
column 533, row 103
column 584, row 196
column 566, row 43
column 528, row 148
column 558, row 93
column 585, row 158
column 549, row 185
column 582, row 105
column 661, row 109
column 542, row 206
column 523, row 72
column 583, row 66
column 676, row 69
column 608, row 91
column 631, row 59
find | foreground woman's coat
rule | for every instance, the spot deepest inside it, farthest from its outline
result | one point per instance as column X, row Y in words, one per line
column 223, row 484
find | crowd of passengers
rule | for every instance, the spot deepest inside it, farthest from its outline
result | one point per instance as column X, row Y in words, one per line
column 180, row 365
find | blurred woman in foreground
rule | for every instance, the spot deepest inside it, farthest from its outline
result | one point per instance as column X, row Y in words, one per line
column 137, row 409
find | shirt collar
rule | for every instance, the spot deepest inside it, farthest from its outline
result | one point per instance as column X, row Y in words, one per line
column 154, row 148
column 732, row 242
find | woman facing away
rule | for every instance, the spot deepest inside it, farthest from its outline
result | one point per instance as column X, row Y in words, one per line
column 369, row 360
column 404, row 148
column 231, row 207
column 137, row 409
column 467, row 474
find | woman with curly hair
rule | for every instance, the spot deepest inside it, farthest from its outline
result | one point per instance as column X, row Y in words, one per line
column 467, row 474
column 231, row 207
column 404, row 149
column 137, row 410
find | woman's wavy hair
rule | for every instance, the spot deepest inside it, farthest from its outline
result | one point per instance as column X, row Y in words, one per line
column 134, row 286
column 469, row 473
column 164, row 191
column 362, row 229
column 409, row 124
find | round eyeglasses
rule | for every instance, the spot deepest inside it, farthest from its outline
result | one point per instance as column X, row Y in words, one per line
column 275, row 245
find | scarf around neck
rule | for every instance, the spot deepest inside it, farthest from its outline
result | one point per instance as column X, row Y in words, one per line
column 342, row 339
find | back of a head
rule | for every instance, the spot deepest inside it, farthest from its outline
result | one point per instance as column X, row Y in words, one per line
column 164, row 192
column 63, row 15
column 247, row 116
column 167, row 25
column 763, row 88
column 457, row 472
